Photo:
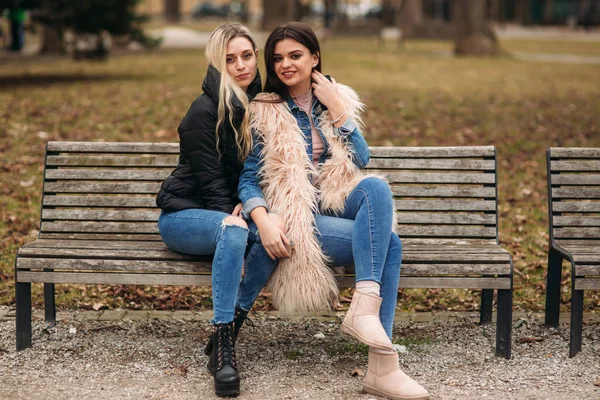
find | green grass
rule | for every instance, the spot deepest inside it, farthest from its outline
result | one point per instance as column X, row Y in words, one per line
column 338, row 349
column 414, row 98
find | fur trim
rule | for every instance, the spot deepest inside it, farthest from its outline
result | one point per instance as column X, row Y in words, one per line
column 293, row 188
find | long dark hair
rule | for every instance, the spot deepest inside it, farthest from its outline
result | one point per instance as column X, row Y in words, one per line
column 301, row 33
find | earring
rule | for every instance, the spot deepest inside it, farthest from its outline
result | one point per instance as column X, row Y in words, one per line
column 314, row 65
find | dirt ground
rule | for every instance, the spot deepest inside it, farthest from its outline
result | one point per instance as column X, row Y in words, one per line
column 282, row 359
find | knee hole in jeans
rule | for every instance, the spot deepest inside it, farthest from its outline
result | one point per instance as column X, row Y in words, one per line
column 235, row 221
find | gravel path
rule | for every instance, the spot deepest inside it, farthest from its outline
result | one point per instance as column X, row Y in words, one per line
column 282, row 359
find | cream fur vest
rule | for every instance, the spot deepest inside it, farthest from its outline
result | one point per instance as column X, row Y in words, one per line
column 303, row 282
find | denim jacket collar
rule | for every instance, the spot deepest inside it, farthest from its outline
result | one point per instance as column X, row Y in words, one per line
column 293, row 106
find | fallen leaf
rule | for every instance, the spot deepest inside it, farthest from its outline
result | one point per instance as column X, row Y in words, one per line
column 98, row 306
column 357, row 372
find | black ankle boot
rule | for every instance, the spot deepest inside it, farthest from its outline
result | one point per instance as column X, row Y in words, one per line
column 225, row 373
column 238, row 320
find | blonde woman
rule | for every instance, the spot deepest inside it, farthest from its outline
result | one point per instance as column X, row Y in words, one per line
column 199, row 201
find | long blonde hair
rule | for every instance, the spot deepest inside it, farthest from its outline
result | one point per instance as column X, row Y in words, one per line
column 216, row 54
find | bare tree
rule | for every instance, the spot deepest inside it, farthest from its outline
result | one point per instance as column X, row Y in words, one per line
column 172, row 10
column 473, row 33
column 410, row 16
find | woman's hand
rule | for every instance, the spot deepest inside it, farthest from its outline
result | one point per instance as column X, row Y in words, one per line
column 271, row 228
column 327, row 93
column 273, row 239
column 237, row 211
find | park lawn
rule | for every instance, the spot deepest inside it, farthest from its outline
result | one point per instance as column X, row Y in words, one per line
column 414, row 98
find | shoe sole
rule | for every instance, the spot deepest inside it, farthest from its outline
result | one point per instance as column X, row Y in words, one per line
column 372, row 390
column 231, row 390
column 347, row 329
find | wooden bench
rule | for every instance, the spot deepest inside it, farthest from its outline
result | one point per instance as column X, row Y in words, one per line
column 98, row 225
column 574, row 216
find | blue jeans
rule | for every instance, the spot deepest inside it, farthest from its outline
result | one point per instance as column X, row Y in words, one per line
column 360, row 236
column 204, row 232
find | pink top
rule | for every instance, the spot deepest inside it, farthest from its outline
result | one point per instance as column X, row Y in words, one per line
column 304, row 101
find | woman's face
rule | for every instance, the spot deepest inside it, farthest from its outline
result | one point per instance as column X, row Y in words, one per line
column 241, row 61
column 293, row 64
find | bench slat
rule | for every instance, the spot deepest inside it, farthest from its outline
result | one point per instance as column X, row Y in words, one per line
column 588, row 270
column 444, row 191
column 429, row 177
column 94, row 244
column 575, row 206
column 109, row 174
column 575, row 179
column 107, row 254
column 113, row 147
column 450, row 283
column 574, row 152
column 446, row 231
column 86, row 215
column 587, row 284
column 205, row 280
column 576, row 221
column 115, row 278
column 101, row 236
column 424, row 164
column 433, row 152
column 583, row 233
column 170, row 266
column 114, row 161
column 435, row 242
column 454, row 219
column 578, row 165
column 101, row 201
column 116, row 265
column 100, row 227
column 112, row 187
column 445, row 249
column 453, row 258
column 586, row 258
column 445, row 205
column 576, row 193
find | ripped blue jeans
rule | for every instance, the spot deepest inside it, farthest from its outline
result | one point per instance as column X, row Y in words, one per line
column 203, row 232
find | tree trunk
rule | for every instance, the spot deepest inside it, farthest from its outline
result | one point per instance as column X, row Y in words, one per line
column 494, row 10
column 474, row 35
column 172, row 10
column 52, row 40
column 388, row 12
column 330, row 9
column 276, row 12
column 522, row 8
column 411, row 16
column 548, row 12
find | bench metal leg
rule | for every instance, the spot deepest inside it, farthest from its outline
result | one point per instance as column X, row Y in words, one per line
column 23, row 322
column 49, row 304
column 487, row 300
column 576, row 322
column 504, row 323
column 553, row 288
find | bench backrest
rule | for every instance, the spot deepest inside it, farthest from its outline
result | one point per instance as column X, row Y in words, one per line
column 95, row 190
column 574, row 194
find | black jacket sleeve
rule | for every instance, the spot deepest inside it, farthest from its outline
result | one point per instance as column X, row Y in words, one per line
column 200, row 146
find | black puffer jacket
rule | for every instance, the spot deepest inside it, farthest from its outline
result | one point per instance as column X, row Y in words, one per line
column 203, row 179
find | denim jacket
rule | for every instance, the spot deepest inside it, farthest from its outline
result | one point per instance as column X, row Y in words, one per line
column 249, row 189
